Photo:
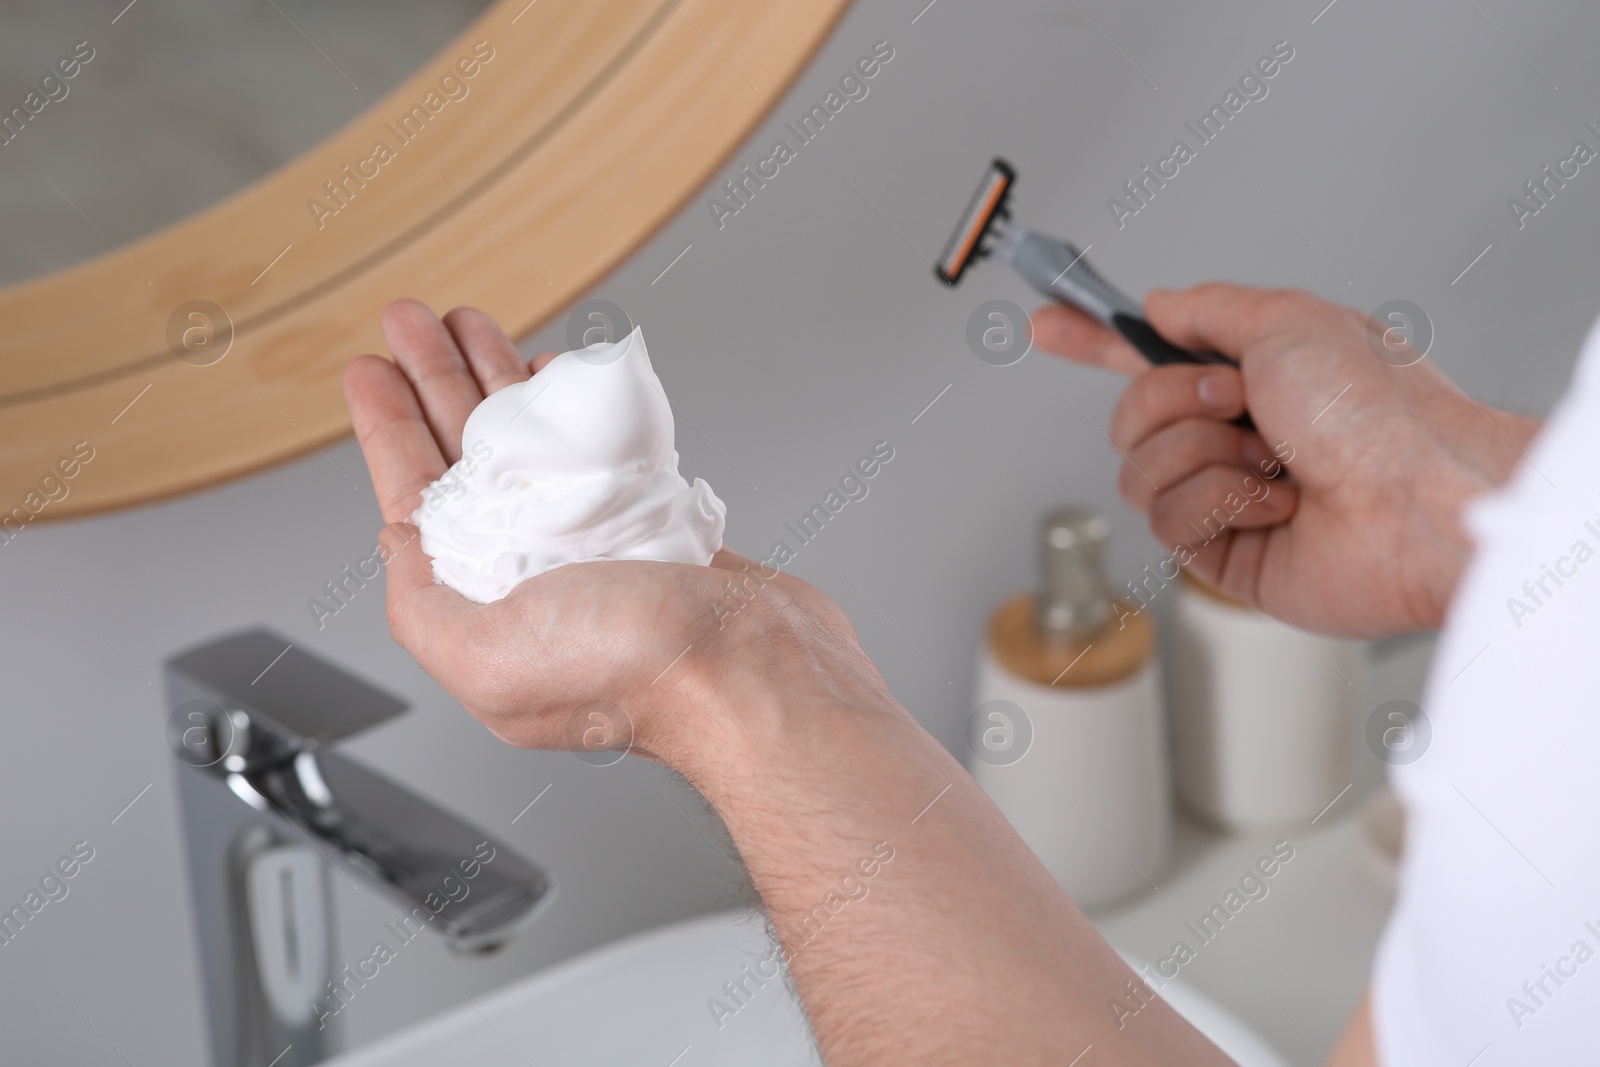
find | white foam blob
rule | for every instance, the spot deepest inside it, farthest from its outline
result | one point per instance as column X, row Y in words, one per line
column 576, row 464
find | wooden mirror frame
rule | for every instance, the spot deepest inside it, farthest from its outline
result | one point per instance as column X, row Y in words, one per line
column 582, row 126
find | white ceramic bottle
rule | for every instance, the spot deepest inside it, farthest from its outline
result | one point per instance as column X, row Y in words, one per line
column 1067, row 734
column 1262, row 713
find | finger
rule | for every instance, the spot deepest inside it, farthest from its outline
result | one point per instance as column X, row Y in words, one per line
column 1181, row 450
column 727, row 559
column 1069, row 332
column 400, row 449
column 1165, row 395
column 1232, row 564
column 1216, row 502
column 1237, row 572
column 493, row 359
column 758, row 575
column 1227, row 318
column 444, row 384
column 541, row 361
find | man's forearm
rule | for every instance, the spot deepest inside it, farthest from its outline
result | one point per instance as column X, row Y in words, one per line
column 917, row 924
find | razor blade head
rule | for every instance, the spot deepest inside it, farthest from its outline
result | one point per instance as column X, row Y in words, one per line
column 988, row 203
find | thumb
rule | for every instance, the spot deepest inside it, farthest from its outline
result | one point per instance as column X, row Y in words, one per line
column 418, row 607
column 1069, row 332
column 1220, row 316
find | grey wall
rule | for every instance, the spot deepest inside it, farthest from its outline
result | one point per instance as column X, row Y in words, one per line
column 805, row 329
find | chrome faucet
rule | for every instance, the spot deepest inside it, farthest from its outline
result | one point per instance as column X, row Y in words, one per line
column 268, row 810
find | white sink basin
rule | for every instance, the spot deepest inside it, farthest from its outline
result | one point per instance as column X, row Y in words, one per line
column 644, row 1000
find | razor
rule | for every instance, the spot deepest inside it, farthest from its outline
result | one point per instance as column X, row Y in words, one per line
column 1055, row 268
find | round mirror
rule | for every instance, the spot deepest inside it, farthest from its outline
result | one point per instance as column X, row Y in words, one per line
column 283, row 169
column 196, row 100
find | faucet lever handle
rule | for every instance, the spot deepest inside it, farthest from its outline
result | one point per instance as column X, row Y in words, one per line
column 295, row 701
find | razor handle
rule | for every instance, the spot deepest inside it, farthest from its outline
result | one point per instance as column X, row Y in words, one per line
column 1058, row 270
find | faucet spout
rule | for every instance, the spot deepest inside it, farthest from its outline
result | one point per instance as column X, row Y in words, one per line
column 476, row 892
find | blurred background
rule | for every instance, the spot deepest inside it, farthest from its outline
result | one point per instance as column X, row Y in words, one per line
column 792, row 337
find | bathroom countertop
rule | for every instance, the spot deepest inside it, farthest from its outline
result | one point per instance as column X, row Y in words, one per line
column 1293, row 964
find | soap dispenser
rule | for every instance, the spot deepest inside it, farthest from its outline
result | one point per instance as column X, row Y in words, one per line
column 1068, row 733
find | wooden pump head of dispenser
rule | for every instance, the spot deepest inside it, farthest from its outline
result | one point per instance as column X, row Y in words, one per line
column 1072, row 632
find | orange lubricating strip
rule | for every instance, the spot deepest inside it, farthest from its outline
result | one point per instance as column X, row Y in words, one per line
column 977, row 231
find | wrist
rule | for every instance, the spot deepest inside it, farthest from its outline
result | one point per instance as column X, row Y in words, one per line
column 1518, row 431
column 769, row 684
column 1481, row 451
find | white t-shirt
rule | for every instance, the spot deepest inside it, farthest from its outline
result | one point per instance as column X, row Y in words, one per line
column 1492, row 956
